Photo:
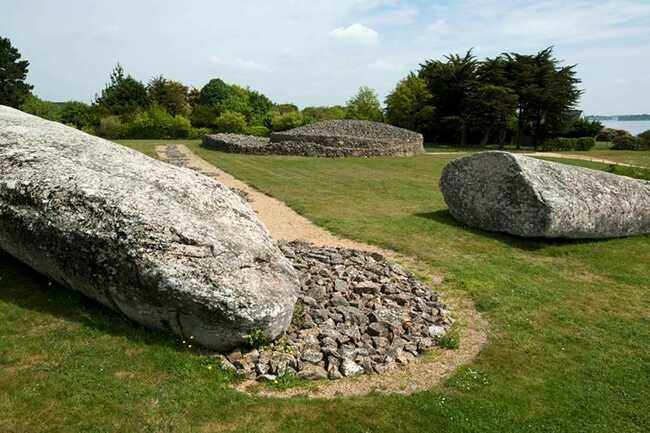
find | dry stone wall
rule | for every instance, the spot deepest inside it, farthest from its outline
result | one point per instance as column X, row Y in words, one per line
column 335, row 138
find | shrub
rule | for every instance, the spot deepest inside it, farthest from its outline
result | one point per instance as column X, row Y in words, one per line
column 180, row 127
column 89, row 130
column 198, row 132
column 581, row 127
column 285, row 121
column 230, row 121
column 365, row 106
column 257, row 130
column 111, row 127
column 644, row 139
column 585, row 143
column 558, row 143
column 45, row 109
column 563, row 143
column 77, row 114
column 203, row 116
column 626, row 142
column 609, row 134
column 158, row 123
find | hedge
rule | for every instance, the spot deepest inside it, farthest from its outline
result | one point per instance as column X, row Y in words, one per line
column 561, row 143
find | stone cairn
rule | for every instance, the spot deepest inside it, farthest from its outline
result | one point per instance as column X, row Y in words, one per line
column 357, row 313
column 328, row 138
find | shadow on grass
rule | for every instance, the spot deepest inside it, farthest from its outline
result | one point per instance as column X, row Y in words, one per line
column 22, row 286
column 526, row 244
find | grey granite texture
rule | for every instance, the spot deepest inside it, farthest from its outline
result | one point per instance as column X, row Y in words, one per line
column 524, row 196
column 169, row 248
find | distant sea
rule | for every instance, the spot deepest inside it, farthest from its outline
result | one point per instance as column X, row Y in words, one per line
column 634, row 127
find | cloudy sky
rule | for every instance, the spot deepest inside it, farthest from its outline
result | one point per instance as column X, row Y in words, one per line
column 319, row 52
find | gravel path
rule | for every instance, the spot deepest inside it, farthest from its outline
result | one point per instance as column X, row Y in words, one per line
column 285, row 224
column 551, row 155
column 580, row 157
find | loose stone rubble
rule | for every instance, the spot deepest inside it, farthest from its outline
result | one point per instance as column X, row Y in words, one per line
column 330, row 138
column 356, row 313
column 524, row 196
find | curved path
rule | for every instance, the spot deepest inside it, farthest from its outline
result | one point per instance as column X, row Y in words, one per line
column 284, row 223
column 551, row 155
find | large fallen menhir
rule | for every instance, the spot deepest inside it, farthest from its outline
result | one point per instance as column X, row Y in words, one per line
column 504, row 192
column 166, row 246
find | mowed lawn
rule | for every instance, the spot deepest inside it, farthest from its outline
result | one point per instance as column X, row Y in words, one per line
column 632, row 157
column 569, row 337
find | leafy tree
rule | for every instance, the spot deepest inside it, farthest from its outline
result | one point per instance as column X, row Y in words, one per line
column 409, row 105
column 13, row 73
column 577, row 127
column 644, row 139
column 365, row 105
column 170, row 95
column 284, row 121
column 222, row 97
column 123, row 94
column 237, row 101
column 259, row 106
column 38, row 107
column 284, row 108
column 451, row 84
column 490, row 109
column 316, row 114
column 546, row 91
column 77, row 114
column 203, row 116
column 214, row 93
column 156, row 122
column 231, row 121
column 194, row 97
column 110, row 127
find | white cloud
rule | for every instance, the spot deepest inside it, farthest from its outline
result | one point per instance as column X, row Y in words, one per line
column 357, row 33
column 575, row 22
column 239, row 63
column 439, row 26
column 608, row 39
column 394, row 17
column 387, row 65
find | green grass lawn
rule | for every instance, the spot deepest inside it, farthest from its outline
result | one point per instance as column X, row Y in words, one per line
column 568, row 350
column 632, row 157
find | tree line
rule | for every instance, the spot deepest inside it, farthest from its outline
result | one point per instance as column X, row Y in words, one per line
column 512, row 98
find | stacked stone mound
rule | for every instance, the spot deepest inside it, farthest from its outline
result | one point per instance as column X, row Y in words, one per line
column 330, row 138
column 168, row 247
column 524, row 196
column 356, row 313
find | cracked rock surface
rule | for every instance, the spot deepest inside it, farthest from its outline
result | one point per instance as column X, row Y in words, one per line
column 357, row 313
column 169, row 248
column 524, row 196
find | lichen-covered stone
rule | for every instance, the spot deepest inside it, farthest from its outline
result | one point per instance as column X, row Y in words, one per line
column 168, row 247
column 330, row 138
column 524, row 196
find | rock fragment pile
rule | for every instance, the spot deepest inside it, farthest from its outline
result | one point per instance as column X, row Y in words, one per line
column 356, row 313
